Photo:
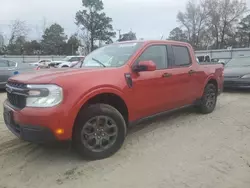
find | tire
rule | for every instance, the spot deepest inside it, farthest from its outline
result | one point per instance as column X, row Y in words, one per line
column 87, row 121
column 209, row 99
column 65, row 66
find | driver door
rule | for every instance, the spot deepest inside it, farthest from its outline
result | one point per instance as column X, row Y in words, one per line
column 150, row 92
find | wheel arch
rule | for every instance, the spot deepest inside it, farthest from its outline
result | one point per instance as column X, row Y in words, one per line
column 109, row 96
column 211, row 80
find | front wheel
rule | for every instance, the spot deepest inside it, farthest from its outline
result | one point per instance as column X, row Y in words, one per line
column 99, row 131
column 209, row 99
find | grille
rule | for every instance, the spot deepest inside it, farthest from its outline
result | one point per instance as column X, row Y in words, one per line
column 15, row 97
column 17, row 85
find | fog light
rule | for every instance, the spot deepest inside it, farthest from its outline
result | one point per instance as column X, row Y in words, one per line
column 59, row 131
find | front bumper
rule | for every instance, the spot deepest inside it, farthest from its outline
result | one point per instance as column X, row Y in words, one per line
column 237, row 83
column 34, row 125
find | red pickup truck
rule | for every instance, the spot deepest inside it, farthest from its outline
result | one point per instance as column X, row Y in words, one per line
column 118, row 85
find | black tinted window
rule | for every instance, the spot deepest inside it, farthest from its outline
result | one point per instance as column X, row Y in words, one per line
column 4, row 63
column 157, row 54
column 182, row 56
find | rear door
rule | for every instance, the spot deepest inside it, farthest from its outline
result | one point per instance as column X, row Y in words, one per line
column 182, row 71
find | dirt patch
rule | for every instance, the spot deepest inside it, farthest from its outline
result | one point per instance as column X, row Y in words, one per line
column 183, row 149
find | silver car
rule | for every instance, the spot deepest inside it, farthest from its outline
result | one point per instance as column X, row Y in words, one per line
column 10, row 68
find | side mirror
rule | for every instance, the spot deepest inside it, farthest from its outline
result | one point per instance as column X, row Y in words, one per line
column 145, row 66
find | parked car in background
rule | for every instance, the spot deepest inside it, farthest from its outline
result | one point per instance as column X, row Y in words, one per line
column 205, row 58
column 43, row 62
column 118, row 85
column 10, row 68
column 237, row 73
column 68, row 61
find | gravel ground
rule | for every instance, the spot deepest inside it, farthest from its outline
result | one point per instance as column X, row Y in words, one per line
column 181, row 150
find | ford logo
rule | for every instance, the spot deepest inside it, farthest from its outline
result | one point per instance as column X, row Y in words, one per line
column 9, row 90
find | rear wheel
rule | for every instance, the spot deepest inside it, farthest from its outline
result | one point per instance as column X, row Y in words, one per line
column 209, row 99
column 99, row 132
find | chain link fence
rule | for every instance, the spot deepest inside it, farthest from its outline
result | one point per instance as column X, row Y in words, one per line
column 31, row 58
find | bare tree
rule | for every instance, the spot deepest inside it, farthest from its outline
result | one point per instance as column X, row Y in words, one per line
column 44, row 24
column 223, row 18
column 211, row 22
column 85, row 40
column 18, row 29
column 194, row 20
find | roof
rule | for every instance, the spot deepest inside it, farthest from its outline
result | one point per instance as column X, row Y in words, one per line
column 153, row 41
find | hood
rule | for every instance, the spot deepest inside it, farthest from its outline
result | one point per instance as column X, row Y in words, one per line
column 48, row 75
column 236, row 71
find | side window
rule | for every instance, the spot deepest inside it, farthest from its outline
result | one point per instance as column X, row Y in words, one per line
column 182, row 56
column 12, row 64
column 157, row 54
column 74, row 59
column 4, row 63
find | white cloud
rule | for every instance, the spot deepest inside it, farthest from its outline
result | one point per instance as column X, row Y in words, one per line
column 148, row 18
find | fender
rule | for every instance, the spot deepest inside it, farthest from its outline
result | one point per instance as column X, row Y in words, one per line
column 210, row 77
column 92, row 93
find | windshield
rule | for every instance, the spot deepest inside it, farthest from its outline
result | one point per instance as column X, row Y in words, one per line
column 239, row 62
column 114, row 55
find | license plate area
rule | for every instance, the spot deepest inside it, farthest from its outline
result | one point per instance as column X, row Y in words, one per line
column 8, row 116
column 9, row 120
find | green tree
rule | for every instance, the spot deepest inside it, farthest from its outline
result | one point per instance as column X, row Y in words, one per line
column 95, row 22
column 72, row 45
column 244, row 31
column 128, row 36
column 178, row 35
column 53, row 40
column 32, row 47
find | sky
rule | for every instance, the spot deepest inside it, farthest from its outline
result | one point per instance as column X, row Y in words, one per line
column 150, row 19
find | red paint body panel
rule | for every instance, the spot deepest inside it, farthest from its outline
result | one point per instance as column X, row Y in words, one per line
column 151, row 93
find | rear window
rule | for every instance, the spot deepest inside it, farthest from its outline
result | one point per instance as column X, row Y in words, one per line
column 182, row 56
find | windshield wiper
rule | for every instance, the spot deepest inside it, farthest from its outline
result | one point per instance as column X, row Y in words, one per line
column 96, row 60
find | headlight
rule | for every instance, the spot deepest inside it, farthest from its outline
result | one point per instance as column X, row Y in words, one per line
column 246, row 76
column 44, row 95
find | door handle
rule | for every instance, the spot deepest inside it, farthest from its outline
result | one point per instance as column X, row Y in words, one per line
column 191, row 72
column 166, row 75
